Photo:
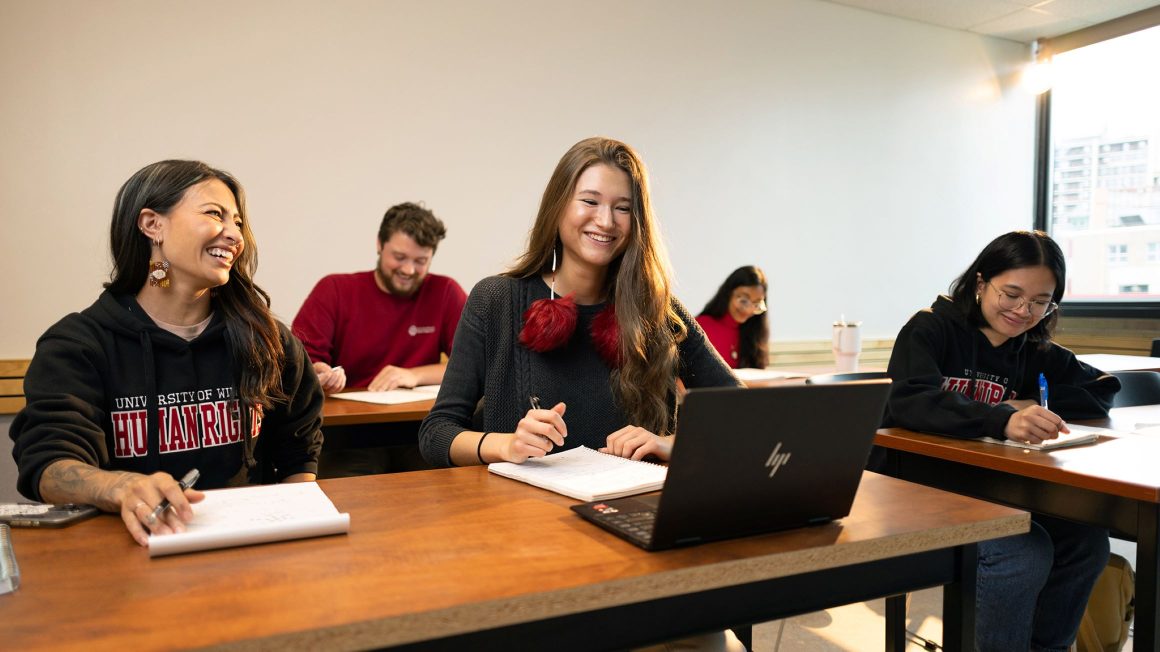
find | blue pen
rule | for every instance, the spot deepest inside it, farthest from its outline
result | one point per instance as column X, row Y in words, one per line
column 1043, row 391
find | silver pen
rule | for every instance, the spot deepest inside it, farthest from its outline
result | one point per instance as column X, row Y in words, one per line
column 188, row 481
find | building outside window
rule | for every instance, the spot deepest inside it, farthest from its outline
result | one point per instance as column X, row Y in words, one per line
column 1104, row 168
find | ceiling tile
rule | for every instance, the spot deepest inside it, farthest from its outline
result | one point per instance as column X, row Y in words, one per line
column 955, row 14
column 1016, row 20
column 1029, row 24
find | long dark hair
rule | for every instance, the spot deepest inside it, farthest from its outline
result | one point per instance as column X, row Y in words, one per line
column 637, row 282
column 251, row 331
column 753, row 347
column 1014, row 250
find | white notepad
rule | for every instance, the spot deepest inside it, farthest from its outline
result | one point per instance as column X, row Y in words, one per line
column 249, row 515
column 393, row 396
column 585, row 474
column 1076, row 438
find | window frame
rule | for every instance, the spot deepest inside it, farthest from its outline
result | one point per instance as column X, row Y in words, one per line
column 1144, row 19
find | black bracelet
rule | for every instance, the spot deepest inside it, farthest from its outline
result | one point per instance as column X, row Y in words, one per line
column 479, row 447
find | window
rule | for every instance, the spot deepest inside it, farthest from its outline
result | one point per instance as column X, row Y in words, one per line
column 1101, row 182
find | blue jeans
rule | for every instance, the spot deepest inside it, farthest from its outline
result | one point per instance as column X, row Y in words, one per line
column 1033, row 588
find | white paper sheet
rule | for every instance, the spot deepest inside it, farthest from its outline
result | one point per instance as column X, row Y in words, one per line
column 249, row 515
column 393, row 396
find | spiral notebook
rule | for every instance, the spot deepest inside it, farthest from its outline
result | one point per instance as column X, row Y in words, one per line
column 585, row 474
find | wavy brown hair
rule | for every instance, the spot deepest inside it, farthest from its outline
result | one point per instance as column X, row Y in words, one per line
column 251, row 331
column 414, row 220
column 637, row 282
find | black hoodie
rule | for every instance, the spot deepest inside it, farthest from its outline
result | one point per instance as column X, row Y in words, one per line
column 105, row 381
column 939, row 360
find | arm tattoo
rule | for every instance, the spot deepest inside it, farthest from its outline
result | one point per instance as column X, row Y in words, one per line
column 77, row 482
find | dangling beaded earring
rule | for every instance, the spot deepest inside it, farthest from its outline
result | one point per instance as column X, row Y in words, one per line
column 159, row 270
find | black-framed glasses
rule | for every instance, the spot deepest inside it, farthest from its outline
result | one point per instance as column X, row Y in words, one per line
column 745, row 304
column 1037, row 307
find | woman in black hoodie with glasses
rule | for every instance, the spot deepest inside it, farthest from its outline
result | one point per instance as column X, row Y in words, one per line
column 969, row 366
column 178, row 365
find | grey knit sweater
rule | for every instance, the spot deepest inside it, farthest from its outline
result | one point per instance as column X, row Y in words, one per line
column 487, row 362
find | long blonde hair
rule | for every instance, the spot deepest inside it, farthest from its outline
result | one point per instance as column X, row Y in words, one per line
column 637, row 282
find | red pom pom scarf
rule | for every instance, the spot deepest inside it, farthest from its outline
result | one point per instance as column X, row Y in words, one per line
column 550, row 323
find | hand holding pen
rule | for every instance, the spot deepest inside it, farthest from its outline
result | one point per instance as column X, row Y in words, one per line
column 332, row 379
column 1035, row 423
column 187, row 482
column 155, row 504
column 537, row 433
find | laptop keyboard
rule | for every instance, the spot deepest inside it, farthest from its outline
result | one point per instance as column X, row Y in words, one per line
column 638, row 525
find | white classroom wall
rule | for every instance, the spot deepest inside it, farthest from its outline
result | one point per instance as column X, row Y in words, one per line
column 862, row 160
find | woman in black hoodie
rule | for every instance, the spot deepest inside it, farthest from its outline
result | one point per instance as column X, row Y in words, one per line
column 969, row 366
column 178, row 365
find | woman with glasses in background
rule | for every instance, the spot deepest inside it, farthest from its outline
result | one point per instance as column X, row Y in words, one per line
column 969, row 366
column 734, row 319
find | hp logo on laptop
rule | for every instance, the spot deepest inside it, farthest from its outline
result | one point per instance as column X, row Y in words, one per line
column 776, row 460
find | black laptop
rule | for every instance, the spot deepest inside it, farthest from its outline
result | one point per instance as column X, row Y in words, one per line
column 748, row 461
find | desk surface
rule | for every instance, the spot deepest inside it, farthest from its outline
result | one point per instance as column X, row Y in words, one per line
column 1110, row 362
column 430, row 554
column 343, row 412
column 1117, row 466
column 1127, row 419
column 1114, row 483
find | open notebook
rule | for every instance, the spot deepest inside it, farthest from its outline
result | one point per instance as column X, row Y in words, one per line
column 585, row 474
column 249, row 515
column 1078, row 436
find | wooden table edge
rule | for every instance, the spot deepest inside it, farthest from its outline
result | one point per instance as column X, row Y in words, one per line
column 897, row 439
column 462, row 619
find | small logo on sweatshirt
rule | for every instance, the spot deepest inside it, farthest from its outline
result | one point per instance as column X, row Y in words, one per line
column 420, row 330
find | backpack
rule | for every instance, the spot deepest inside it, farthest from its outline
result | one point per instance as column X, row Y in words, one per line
column 1104, row 627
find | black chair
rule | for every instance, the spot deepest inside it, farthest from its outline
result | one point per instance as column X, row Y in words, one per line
column 1137, row 388
column 1155, row 348
column 845, row 377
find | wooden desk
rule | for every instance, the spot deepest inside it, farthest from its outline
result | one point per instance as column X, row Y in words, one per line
column 461, row 559
column 341, row 412
column 800, row 375
column 1113, row 484
column 1109, row 362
